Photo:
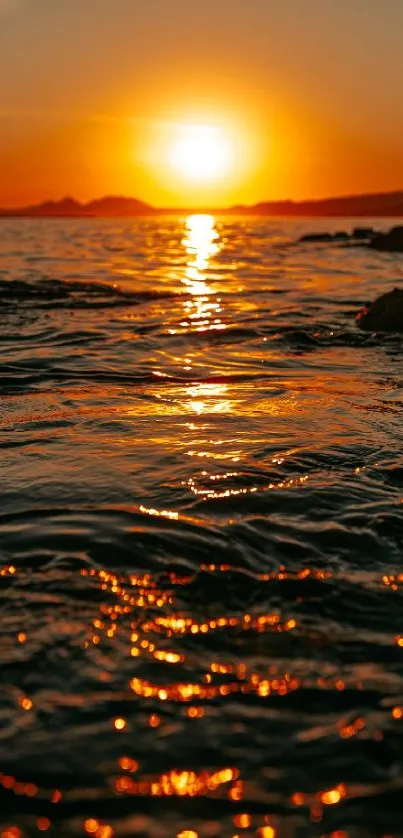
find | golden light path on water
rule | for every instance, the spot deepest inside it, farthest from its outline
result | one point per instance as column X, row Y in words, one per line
column 202, row 311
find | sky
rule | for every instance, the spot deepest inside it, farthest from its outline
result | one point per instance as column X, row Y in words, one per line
column 95, row 96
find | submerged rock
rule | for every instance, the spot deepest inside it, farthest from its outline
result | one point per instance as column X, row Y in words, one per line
column 316, row 237
column 383, row 315
column 391, row 241
column 360, row 234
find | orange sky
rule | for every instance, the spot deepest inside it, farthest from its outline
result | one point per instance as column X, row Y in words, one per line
column 94, row 92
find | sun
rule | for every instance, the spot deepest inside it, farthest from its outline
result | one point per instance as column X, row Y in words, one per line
column 201, row 153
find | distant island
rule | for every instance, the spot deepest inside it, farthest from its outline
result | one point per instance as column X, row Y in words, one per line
column 388, row 204
column 108, row 207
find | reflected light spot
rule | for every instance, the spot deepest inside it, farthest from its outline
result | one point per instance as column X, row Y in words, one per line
column 347, row 731
column 105, row 831
column 128, row 764
column 177, row 783
column 242, row 821
column 333, row 796
column 208, row 398
column 159, row 513
column 8, row 570
column 195, row 712
column 26, row 703
column 298, row 799
column 91, row 825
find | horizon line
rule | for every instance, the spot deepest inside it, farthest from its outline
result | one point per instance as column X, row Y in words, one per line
column 70, row 205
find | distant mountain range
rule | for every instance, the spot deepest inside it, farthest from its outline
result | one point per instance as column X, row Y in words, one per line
column 387, row 204
column 109, row 206
column 382, row 204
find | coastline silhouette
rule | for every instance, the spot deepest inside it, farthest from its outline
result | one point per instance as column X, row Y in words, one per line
column 387, row 204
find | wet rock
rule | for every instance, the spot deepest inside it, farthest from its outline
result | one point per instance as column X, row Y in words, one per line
column 391, row 241
column 361, row 237
column 316, row 237
column 364, row 233
column 340, row 236
column 383, row 315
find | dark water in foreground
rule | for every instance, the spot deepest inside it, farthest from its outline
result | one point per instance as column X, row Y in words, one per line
column 200, row 531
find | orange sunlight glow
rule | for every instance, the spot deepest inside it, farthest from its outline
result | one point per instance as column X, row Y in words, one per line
column 197, row 161
column 201, row 153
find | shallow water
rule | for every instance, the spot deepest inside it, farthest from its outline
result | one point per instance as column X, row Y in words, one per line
column 200, row 532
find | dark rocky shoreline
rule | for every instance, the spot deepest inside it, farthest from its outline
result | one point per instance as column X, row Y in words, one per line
column 385, row 314
column 391, row 241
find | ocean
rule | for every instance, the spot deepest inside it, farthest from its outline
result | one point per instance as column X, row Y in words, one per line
column 201, row 528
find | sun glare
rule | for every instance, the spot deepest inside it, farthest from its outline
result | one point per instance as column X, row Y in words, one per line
column 201, row 153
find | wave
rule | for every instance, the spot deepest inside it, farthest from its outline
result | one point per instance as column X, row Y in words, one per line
column 53, row 293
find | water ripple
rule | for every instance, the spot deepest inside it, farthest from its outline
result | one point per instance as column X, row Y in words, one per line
column 200, row 533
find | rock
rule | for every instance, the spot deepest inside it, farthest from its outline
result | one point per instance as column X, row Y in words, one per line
column 339, row 236
column 391, row 241
column 364, row 233
column 385, row 314
column 316, row 237
column 361, row 237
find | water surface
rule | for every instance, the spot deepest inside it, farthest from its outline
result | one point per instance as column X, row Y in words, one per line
column 200, row 532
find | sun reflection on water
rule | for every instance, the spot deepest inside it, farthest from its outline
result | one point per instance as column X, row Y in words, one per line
column 202, row 311
column 208, row 398
column 201, row 242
